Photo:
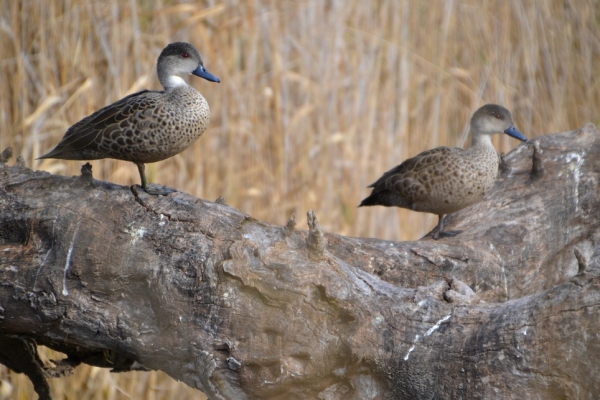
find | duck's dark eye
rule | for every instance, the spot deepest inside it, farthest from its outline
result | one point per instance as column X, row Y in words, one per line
column 185, row 55
column 497, row 116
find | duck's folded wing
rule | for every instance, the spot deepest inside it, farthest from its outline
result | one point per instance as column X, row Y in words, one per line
column 84, row 133
column 411, row 168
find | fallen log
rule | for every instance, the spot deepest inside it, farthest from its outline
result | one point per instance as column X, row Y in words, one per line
column 241, row 309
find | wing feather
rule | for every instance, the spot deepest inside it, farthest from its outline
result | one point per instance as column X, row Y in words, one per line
column 403, row 185
column 85, row 134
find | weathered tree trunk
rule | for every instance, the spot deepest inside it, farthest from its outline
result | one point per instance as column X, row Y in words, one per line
column 242, row 309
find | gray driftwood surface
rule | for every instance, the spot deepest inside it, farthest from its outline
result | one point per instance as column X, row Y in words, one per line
column 241, row 309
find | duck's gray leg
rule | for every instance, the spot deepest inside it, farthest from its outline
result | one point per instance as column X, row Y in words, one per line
column 440, row 227
column 162, row 190
column 142, row 171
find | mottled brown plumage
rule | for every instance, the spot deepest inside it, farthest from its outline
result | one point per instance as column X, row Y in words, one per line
column 445, row 180
column 147, row 126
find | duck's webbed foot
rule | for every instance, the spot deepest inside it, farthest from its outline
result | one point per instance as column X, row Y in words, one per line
column 158, row 190
column 440, row 232
column 153, row 189
column 438, row 235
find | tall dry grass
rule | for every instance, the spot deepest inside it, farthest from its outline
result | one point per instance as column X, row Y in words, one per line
column 317, row 99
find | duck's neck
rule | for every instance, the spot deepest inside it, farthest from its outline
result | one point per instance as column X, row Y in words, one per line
column 171, row 81
column 481, row 140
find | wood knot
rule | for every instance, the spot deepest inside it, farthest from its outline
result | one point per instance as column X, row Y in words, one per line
column 290, row 226
column 594, row 262
column 6, row 154
column 537, row 165
column 220, row 200
column 459, row 292
column 588, row 129
column 233, row 364
column 86, row 171
column 587, row 269
column 503, row 165
column 20, row 162
column 315, row 241
column 583, row 264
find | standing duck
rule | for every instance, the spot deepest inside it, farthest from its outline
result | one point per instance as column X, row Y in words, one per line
column 147, row 126
column 444, row 180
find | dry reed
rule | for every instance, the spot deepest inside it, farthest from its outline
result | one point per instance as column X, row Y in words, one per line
column 317, row 99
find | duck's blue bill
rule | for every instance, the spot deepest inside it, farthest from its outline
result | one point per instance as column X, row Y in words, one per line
column 512, row 131
column 203, row 73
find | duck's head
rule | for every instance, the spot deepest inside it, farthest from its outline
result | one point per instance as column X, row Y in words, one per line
column 177, row 60
column 491, row 119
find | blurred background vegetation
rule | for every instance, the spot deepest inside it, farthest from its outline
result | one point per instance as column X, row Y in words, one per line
column 317, row 99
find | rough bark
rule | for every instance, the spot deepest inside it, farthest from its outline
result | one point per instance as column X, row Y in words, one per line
column 242, row 309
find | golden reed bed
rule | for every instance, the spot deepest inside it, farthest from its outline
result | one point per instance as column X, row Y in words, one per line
column 317, row 99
